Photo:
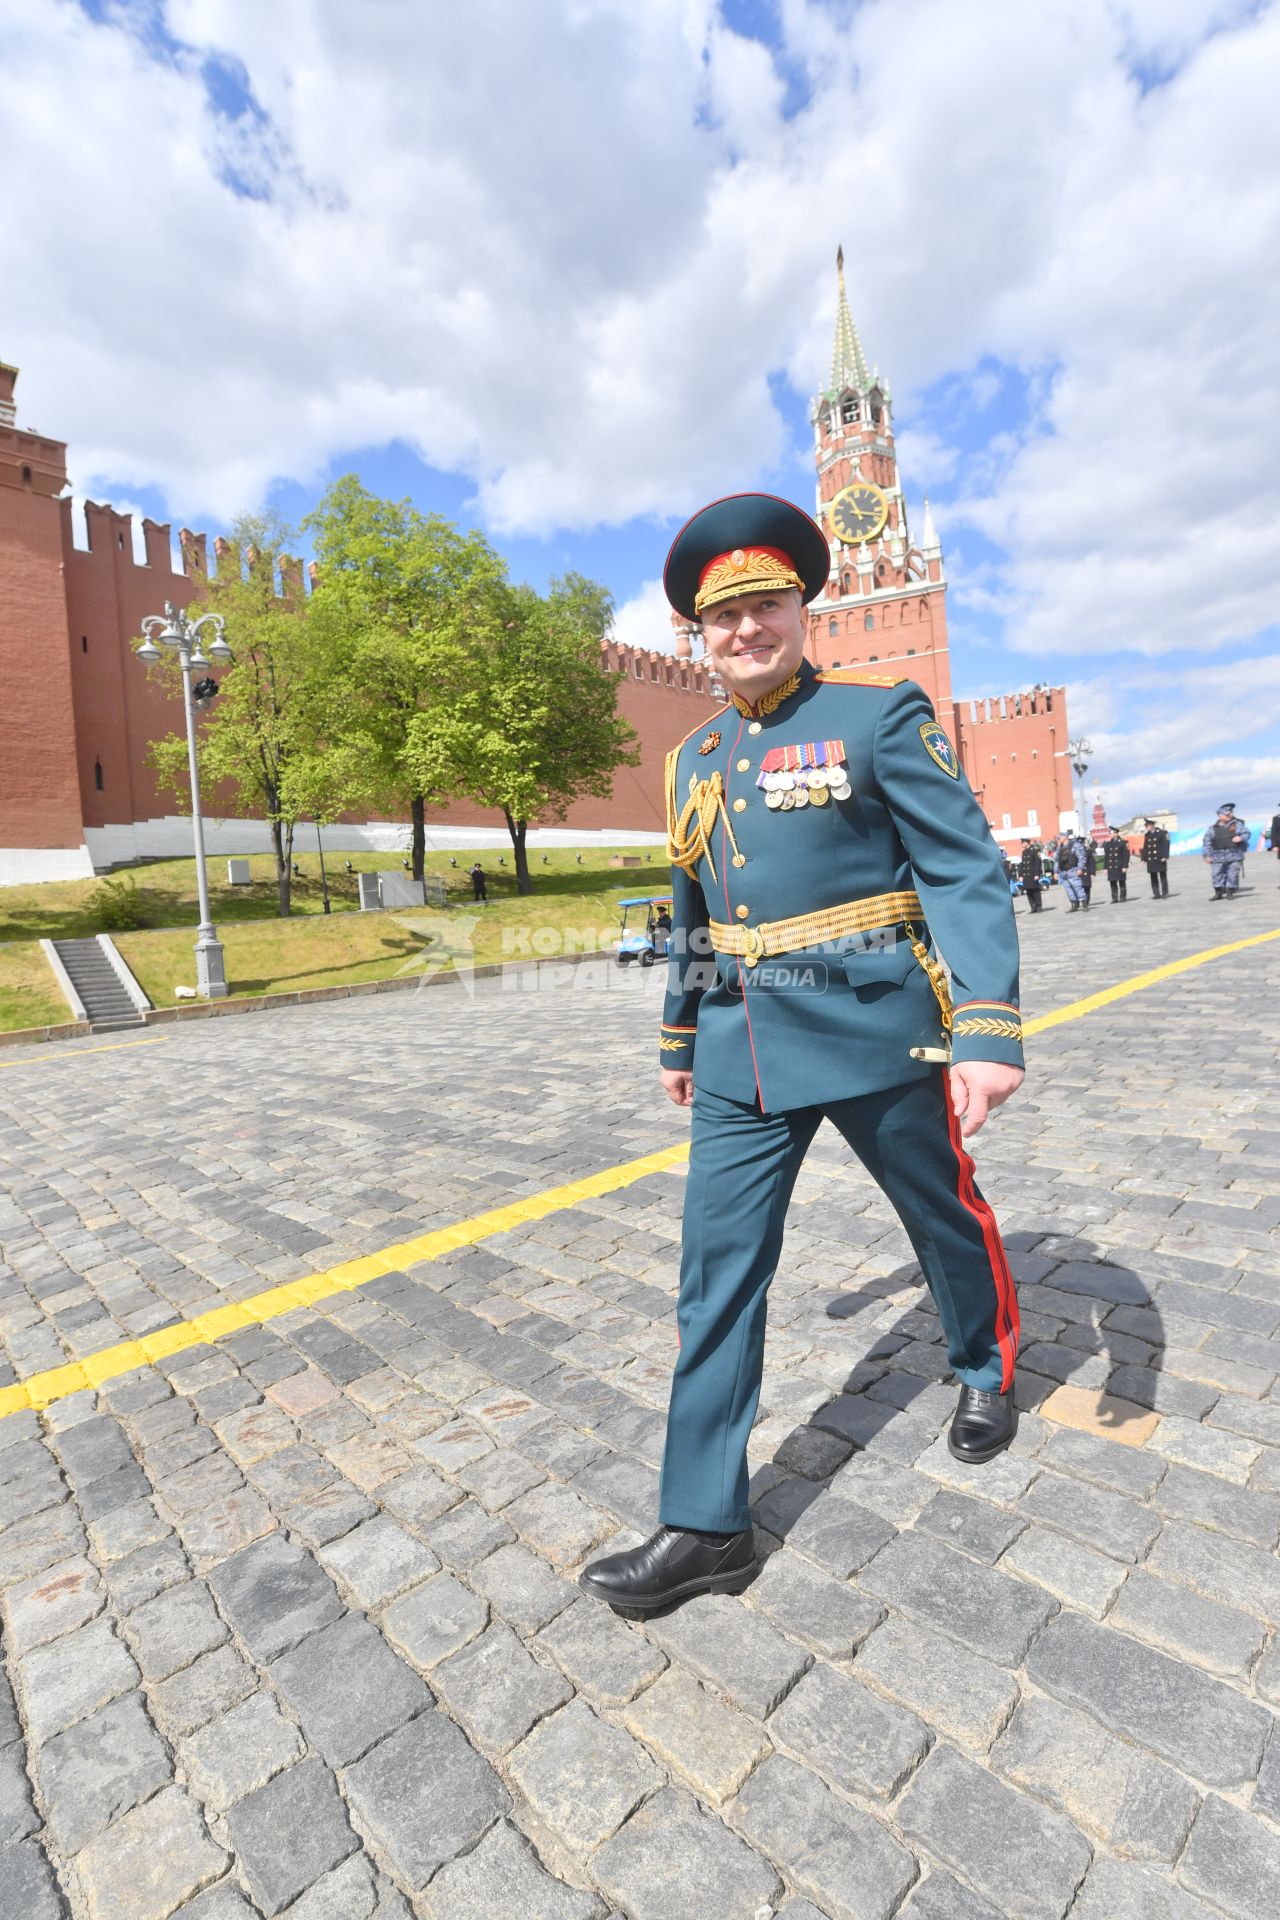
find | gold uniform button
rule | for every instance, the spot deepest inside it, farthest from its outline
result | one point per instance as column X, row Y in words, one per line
column 743, row 766
column 743, row 913
column 754, row 727
column 739, row 806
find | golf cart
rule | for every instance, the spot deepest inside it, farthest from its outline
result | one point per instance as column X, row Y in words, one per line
column 648, row 943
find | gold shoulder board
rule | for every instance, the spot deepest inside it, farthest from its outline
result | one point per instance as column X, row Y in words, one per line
column 854, row 677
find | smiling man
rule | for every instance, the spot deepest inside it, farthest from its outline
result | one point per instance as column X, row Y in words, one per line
column 823, row 836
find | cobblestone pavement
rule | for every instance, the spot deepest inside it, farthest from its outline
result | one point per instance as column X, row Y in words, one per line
column 290, row 1623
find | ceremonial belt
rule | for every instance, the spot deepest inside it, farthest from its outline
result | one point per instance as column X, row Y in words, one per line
column 773, row 937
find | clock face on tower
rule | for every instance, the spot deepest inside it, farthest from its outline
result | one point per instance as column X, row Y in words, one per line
column 859, row 512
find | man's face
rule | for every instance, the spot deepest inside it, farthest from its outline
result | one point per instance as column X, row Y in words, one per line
column 755, row 641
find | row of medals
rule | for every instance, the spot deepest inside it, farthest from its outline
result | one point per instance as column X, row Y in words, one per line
column 806, row 787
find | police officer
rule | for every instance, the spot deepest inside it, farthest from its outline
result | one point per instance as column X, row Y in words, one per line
column 1225, row 844
column 1069, row 861
column 1031, row 873
column 822, row 835
column 1155, row 858
column 1115, row 858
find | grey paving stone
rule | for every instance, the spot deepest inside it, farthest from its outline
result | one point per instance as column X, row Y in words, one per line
column 838, row 1534
column 1266, row 1796
column 1186, row 1717
column 665, row 1860
column 28, row 1887
column 327, row 1515
column 856, row 1741
column 210, row 1685
column 497, row 1690
column 1121, row 1890
column 846, row 1860
column 712, row 1745
column 36, row 1543
column 303, row 1803
column 521, row 1588
column 581, row 1776
column 1004, row 1479
column 605, row 1658
column 349, row 1892
column 463, row 1536
column 224, row 1526
column 955, row 1691
column 987, row 1609
column 423, row 1795
column 221, row 1902
column 828, row 1615
column 168, row 1633
column 1162, row 1392
column 378, row 1692
column 738, row 1652
column 418, row 1496
column 558, row 1523
column 274, row 1594
column 98, row 1769
column 497, row 1478
column 51, row 1603
column 435, row 1620
column 1020, row 1855
column 502, row 1876
column 1213, row 1449
column 141, row 1575
column 942, row 1898
column 1133, row 1804
column 1186, row 1494
column 239, row 1751
column 93, row 1449
column 1117, row 1525
column 980, row 1528
column 126, row 1529
column 18, row 1816
column 149, row 1862
column 1233, row 1860
column 71, row 1677
column 1184, row 1623
column 377, row 1561
column 1066, row 1568
column 1226, row 1570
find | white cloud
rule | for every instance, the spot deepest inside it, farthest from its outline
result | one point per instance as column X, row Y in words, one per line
column 644, row 621
column 562, row 249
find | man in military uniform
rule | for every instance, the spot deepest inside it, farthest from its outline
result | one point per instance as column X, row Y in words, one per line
column 1155, row 858
column 822, row 833
column 1273, row 833
column 1031, row 873
column 1225, row 844
column 1115, row 858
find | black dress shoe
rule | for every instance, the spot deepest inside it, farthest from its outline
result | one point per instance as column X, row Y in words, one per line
column 982, row 1425
column 672, row 1565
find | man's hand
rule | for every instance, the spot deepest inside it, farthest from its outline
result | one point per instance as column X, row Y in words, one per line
column 678, row 1086
column 976, row 1087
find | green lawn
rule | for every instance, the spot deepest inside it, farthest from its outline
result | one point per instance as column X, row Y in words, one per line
column 29, row 994
column 573, row 908
column 166, row 889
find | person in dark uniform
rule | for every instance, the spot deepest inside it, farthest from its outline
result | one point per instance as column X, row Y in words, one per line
column 1115, row 858
column 1155, row 858
column 823, row 836
column 1069, row 865
column 479, row 883
column 1273, row 833
column 1224, row 846
column 1031, row 873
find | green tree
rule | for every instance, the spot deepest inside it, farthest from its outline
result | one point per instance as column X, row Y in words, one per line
column 395, row 588
column 270, row 745
column 522, row 718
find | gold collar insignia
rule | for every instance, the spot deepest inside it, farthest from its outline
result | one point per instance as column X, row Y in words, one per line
column 768, row 702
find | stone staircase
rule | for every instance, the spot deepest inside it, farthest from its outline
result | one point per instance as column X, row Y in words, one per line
column 99, row 986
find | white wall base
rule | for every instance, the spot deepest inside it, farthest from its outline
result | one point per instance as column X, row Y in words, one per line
column 25, row 866
column 170, row 839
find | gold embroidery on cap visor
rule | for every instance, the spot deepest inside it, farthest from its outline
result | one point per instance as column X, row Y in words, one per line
column 745, row 570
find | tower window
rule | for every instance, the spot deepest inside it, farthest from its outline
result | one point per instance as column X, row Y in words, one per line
column 97, row 775
column 873, row 656
column 1013, row 756
column 84, row 643
column 835, row 663
column 910, row 649
column 1033, row 818
column 1035, row 753
column 849, row 411
column 993, row 759
column 26, row 476
column 833, row 626
column 1006, row 819
column 868, row 621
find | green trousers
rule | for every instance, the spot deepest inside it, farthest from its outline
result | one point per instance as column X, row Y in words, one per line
column 742, row 1169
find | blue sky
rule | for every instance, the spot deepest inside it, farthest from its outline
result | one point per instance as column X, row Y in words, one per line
column 564, row 273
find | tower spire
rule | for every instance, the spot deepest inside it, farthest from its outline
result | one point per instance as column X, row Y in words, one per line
column 848, row 362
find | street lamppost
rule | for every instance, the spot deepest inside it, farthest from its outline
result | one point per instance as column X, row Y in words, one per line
column 1080, row 751
column 172, row 629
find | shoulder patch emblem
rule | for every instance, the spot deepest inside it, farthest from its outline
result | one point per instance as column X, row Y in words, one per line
column 711, row 742
column 939, row 748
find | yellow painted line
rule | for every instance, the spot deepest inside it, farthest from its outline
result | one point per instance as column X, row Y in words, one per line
column 78, row 1053
column 1140, row 981
column 56, row 1382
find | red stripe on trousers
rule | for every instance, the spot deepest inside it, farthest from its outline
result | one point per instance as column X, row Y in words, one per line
column 1006, row 1298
